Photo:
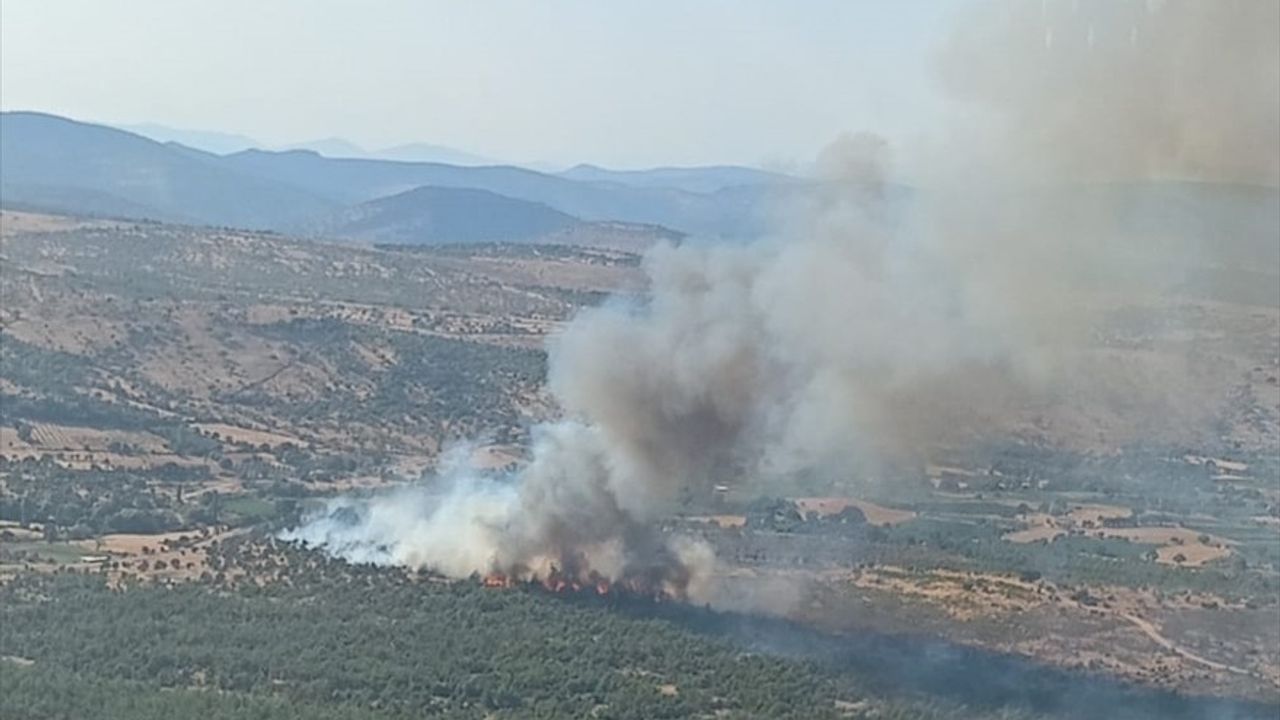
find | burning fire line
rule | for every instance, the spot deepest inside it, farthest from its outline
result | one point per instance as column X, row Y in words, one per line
column 560, row 584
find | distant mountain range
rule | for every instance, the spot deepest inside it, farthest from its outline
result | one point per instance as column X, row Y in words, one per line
column 334, row 147
column 426, row 152
column 693, row 179
column 411, row 152
column 210, row 141
column 53, row 163
column 71, row 166
column 221, row 143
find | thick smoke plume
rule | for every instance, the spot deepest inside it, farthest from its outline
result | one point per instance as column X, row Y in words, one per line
column 1117, row 90
column 879, row 321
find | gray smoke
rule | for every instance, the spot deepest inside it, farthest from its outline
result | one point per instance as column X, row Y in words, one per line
column 1121, row 89
column 878, row 322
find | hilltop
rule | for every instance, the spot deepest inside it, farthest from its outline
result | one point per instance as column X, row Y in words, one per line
column 432, row 215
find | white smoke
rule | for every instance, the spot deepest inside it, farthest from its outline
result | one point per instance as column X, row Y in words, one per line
column 761, row 361
column 877, row 323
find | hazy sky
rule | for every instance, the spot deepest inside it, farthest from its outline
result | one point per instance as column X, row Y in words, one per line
column 623, row 84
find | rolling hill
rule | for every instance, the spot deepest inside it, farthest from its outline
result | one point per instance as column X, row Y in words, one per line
column 436, row 215
column 728, row 213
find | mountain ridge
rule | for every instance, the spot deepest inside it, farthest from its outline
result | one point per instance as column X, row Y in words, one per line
column 42, row 152
column 433, row 215
column 63, row 165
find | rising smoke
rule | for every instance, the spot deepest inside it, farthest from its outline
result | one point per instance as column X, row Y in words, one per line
column 878, row 321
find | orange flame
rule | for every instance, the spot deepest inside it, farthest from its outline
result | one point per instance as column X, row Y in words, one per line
column 497, row 580
column 558, row 582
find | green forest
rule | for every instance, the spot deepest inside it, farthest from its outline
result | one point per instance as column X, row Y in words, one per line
column 282, row 632
column 331, row 640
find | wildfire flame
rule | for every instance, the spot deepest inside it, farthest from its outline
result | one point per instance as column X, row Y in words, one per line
column 497, row 580
column 559, row 583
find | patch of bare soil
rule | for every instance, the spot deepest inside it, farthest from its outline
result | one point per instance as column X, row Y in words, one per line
column 21, row 223
column 496, row 457
column 1084, row 515
column 17, row 532
column 175, row 556
column 1176, row 545
column 962, row 595
column 1036, row 533
column 236, row 434
column 723, row 521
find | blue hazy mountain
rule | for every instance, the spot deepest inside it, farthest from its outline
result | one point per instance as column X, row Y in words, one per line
column 435, row 215
column 730, row 213
column 58, row 164
column 334, row 147
column 427, row 152
column 706, row 179
column 219, row 143
column 64, row 165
